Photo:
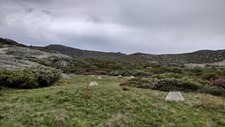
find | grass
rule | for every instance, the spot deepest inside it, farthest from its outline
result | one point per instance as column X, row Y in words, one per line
column 73, row 103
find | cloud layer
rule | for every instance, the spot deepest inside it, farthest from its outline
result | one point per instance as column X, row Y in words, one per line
column 150, row 26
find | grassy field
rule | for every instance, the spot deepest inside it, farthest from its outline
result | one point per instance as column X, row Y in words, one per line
column 73, row 103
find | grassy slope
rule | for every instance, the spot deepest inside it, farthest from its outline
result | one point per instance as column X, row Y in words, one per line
column 74, row 104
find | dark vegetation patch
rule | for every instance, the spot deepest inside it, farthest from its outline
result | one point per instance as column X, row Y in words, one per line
column 209, row 83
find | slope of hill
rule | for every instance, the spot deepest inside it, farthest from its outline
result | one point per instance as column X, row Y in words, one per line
column 198, row 57
column 57, row 51
column 9, row 42
column 18, row 56
column 73, row 103
column 74, row 52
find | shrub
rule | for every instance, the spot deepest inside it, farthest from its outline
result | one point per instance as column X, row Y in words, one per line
column 214, row 90
column 168, row 75
column 176, row 70
column 160, row 70
column 140, row 73
column 170, row 84
column 29, row 78
column 209, row 76
column 45, row 76
column 166, row 84
column 197, row 70
column 139, row 83
column 219, row 82
column 17, row 79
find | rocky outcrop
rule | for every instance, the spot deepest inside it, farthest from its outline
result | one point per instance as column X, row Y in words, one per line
column 16, row 57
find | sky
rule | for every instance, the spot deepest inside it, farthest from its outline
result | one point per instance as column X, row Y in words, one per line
column 127, row 26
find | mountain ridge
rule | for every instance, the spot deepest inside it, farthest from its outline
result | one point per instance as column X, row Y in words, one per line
column 73, row 52
column 196, row 57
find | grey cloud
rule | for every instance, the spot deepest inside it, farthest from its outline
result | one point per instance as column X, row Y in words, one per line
column 149, row 26
column 29, row 10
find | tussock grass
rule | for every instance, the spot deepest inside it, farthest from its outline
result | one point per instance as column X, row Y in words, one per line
column 73, row 103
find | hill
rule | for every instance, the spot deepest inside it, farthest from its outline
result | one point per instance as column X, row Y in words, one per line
column 9, row 42
column 74, row 52
column 198, row 57
column 16, row 55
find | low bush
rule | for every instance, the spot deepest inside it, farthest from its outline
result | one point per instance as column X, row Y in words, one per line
column 141, row 73
column 140, row 83
column 45, row 76
column 214, row 90
column 166, row 84
column 209, row 76
column 218, row 81
column 168, row 75
column 196, row 71
column 160, row 70
column 17, row 79
column 29, row 78
column 171, row 84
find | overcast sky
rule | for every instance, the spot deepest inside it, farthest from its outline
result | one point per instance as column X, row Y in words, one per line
column 128, row 26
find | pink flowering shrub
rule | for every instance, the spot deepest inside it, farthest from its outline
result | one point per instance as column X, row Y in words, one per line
column 219, row 82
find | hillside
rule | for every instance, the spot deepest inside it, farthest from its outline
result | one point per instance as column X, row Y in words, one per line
column 15, row 55
column 74, row 52
column 73, row 103
column 9, row 42
column 198, row 57
column 18, row 56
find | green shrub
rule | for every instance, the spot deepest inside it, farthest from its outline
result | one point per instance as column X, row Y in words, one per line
column 29, row 78
column 168, row 75
column 45, row 76
column 209, row 76
column 197, row 71
column 176, row 70
column 140, row 73
column 167, row 84
column 183, row 84
column 214, row 90
column 139, row 83
column 17, row 79
column 160, row 70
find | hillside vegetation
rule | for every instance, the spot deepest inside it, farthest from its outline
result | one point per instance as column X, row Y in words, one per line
column 198, row 57
column 14, row 55
column 78, row 53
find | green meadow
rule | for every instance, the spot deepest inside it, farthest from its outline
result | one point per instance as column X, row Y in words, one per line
column 71, row 102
